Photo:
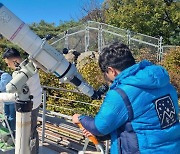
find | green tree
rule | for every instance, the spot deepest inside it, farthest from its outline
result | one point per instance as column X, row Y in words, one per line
column 151, row 17
column 43, row 28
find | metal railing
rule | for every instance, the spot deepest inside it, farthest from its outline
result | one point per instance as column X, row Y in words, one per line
column 93, row 36
column 64, row 116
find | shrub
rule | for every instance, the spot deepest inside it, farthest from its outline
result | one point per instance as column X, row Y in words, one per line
column 145, row 53
column 67, row 102
column 172, row 63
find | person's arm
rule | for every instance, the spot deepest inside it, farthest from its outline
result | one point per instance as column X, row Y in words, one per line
column 112, row 115
column 89, row 124
column 5, row 79
column 77, row 118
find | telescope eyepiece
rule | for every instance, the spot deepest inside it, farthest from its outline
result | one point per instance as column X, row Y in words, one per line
column 101, row 91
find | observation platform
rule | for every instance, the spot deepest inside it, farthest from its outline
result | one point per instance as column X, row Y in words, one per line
column 58, row 136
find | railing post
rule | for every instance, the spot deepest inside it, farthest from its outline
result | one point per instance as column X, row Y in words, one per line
column 129, row 38
column 86, row 38
column 107, row 147
column 66, row 40
column 43, row 115
column 160, row 51
column 100, row 38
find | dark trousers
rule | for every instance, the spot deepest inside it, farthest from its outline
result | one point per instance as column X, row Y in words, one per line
column 34, row 134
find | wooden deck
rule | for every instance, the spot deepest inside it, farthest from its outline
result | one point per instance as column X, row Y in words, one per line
column 61, row 137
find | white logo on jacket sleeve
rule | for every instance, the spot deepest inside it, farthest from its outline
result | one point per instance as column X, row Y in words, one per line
column 166, row 111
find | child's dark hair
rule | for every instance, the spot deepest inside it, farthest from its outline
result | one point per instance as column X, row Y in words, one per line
column 11, row 53
column 116, row 55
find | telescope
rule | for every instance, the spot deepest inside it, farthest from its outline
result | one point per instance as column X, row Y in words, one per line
column 44, row 56
column 40, row 52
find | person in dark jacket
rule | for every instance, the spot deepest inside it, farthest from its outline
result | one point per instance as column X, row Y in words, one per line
column 140, row 110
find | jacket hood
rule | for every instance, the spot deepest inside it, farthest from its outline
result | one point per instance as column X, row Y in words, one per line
column 143, row 75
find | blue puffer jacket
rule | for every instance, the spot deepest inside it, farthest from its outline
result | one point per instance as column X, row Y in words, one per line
column 154, row 126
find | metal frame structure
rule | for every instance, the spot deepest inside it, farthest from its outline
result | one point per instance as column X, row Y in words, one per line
column 94, row 36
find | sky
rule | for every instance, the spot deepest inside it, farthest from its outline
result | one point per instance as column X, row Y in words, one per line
column 51, row 11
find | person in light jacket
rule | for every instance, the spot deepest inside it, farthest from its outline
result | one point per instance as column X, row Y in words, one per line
column 13, row 60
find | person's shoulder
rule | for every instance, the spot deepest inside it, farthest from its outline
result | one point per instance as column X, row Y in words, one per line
column 5, row 74
column 113, row 94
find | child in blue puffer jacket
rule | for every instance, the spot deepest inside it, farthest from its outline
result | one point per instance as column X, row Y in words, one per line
column 140, row 110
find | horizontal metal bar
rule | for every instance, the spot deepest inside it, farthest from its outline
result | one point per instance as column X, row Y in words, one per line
column 74, row 100
column 58, row 40
column 62, row 89
column 114, row 33
column 80, row 31
column 143, row 42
